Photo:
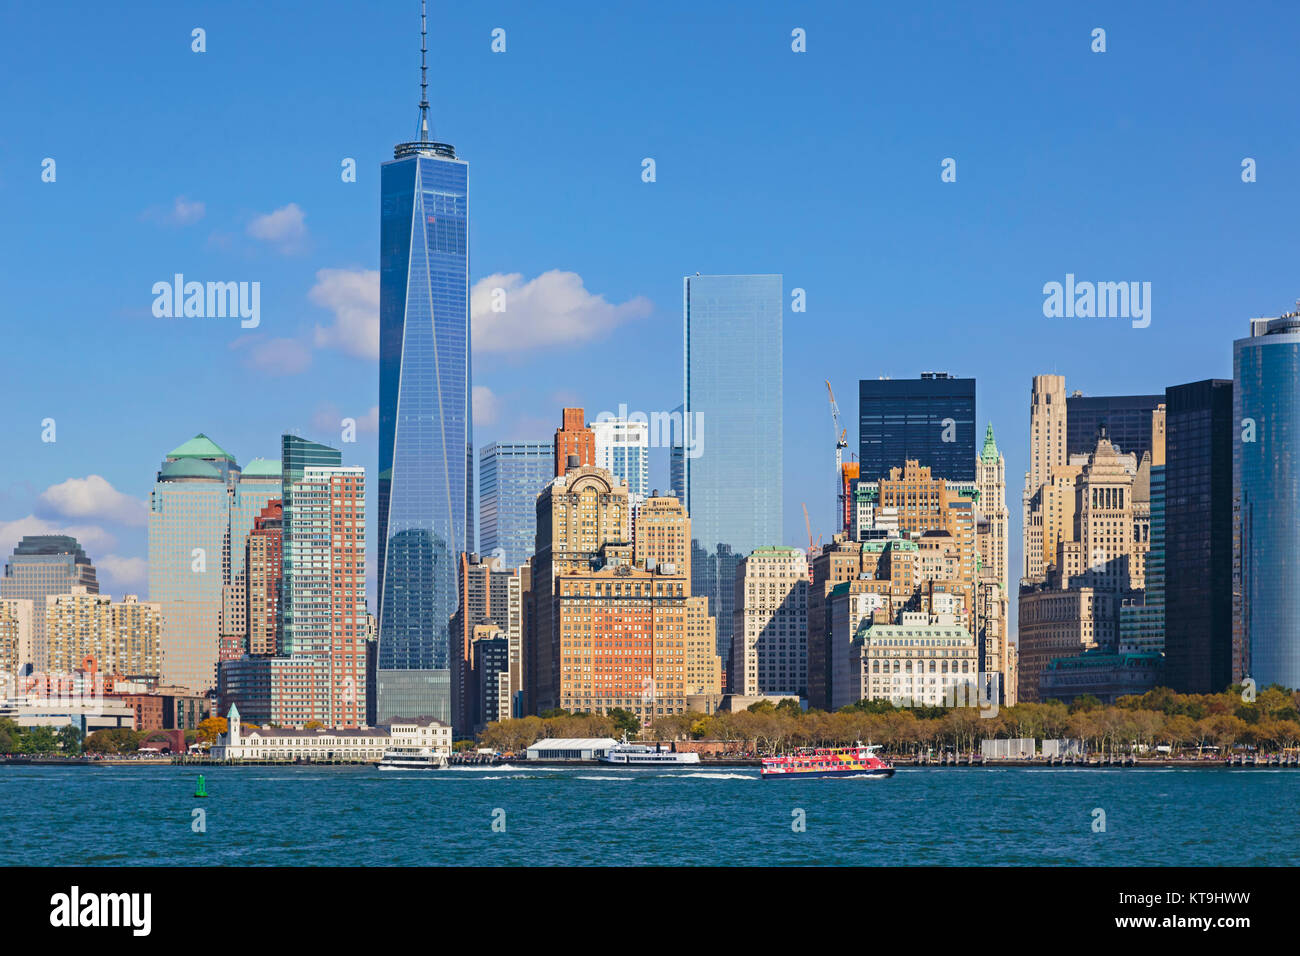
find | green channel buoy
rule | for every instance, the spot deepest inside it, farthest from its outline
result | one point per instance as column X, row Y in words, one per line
column 201, row 790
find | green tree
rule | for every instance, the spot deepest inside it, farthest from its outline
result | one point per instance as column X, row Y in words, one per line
column 11, row 737
column 625, row 722
column 40, row 740
column 70, row 739
column 113, row 740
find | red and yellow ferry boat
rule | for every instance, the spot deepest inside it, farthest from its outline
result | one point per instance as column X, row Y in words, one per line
column 856, row 761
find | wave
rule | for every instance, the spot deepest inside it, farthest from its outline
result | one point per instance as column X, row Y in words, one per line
column 714, row 776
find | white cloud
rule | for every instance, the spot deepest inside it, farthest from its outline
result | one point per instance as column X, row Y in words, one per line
column 553, row 309
column 183, row 212
column 120, row 575
column 487, row 406
column 274, row 356
column 353, row 296
column 92, row 538
column 284, row 227
column 91, row 497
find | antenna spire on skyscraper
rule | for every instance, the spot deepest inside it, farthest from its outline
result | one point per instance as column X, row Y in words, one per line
column 424, row 76
column 422, row 145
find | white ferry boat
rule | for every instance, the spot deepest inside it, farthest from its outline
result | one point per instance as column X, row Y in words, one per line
column 412, row 758
column 641, row 755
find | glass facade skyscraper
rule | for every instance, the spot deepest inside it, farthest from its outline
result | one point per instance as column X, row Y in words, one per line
column 728, row 455
column 510, row 477
column 1197, row 537
column 200, row 507
column 426, row 460
column 1266, row 502
column 930, row 420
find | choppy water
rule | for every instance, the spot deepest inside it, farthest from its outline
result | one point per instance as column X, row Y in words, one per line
column 104, row 816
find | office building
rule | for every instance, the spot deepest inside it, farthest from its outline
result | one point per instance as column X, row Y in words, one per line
column 16, row 647
column 662, row 533
column 577, row 515
column 1126, row 418
column 1266, row 502
column 573, row 438
column 1197, row 532
column 992, row 627
column 510, row 477
column 44, row 564
column 426, row 462
column 93, row 632
column 258, row 485
column 324, row 591
column 622, row 448
column 930, row 420
column 200, row 512
column 489, row 595
column 264, row 581
column 770, row 634
column 728, row 458
column 491, row 656
column 921, row 660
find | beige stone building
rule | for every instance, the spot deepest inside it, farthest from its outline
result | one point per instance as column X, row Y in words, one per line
column 663, row 535
column 609, row 624
column 578, row 513
column 769, row 645
column 17, row 644
column 122, row 637
column 1056, row 623
column 1087, row 522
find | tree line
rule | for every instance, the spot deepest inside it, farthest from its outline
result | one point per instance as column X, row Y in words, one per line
column 1185, row 723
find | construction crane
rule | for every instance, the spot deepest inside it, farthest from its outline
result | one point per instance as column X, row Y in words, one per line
column 813, row 549
column 841, row 498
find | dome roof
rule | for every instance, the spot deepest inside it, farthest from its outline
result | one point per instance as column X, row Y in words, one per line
column 189, row 468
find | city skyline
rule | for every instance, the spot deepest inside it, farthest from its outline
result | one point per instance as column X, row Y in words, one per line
column 311, row 241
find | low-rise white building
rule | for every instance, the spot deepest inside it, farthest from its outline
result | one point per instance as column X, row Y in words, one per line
column 365, row 745
column 925, row 660
column 571, row 748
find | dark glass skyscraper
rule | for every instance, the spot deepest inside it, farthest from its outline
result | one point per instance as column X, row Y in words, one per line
column 425, row 420
column 1266, row 498
column 930, row 420
column 1197, row 537
column 727, row 461
column 1127, row 419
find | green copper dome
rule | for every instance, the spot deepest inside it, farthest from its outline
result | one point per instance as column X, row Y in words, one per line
column 201, row 446
column 261, row 468
column 189, row 468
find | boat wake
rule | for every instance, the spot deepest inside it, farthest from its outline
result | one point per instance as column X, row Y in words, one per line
column 713, row 776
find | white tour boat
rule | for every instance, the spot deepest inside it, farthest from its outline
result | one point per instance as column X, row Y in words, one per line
column 641, row 755
column 412, row 758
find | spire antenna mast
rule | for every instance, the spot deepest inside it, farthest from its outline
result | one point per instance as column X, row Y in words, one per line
column 424, row 76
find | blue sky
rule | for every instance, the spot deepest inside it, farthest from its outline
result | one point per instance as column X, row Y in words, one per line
column 823, row 166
